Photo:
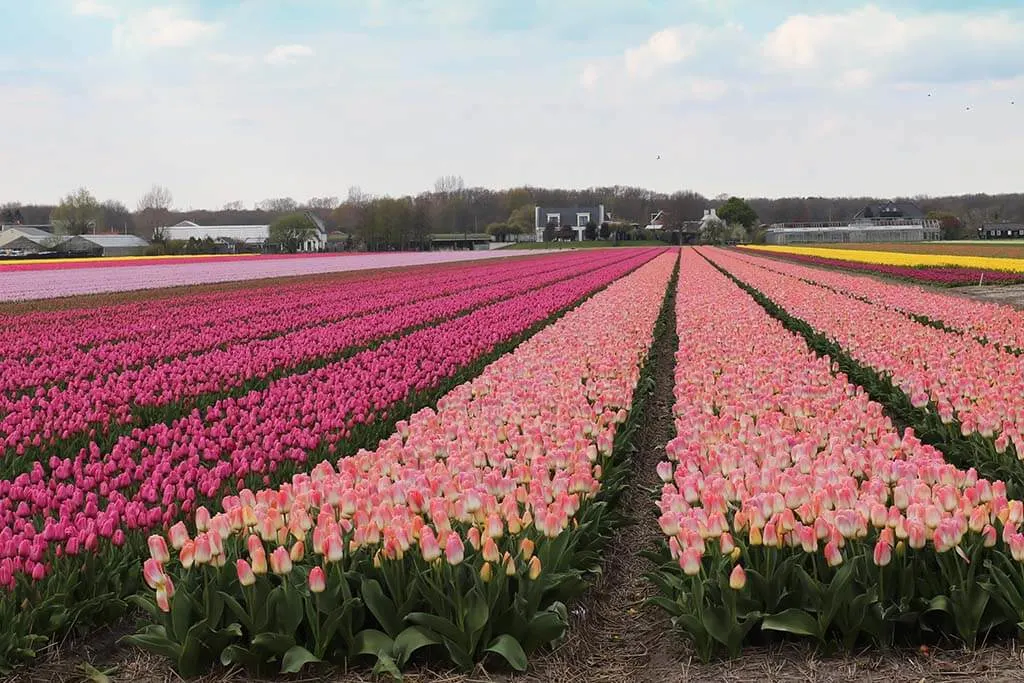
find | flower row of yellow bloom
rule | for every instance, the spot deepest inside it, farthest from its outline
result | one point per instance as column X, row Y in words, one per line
column 893, row 258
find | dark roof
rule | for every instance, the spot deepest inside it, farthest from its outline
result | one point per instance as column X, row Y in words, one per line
column 891, row 210
column 1002, row 225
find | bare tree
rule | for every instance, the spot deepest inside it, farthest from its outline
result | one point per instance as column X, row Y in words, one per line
column 278, row 205
column 158, row 198
column 449, row 185
column 357, row 196
column 326, row 203
column 237, row 205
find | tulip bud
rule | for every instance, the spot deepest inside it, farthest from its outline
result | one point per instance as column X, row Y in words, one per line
column 726, row 544
column 882, row 554
column 203, row 552
column 187, row 556
column 735, row 554
column 298, row 551
column 158, row 549
column 178, row 535
column 486, row 572
column 153, row 573
column 454, row 550
column 738, row 578
column 510, row 564
column 490, row 550
column 833, row 557
column 259, row 561
column 690, row 561
column 202, row 519
column 317, row 580
column 534, row 568
column 280, row 562
column 526, row 546
column 246, row 577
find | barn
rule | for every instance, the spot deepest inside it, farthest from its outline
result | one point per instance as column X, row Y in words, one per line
column 105, row 245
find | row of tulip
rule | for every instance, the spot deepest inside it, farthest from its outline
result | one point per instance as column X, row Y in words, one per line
column 955, row 390
column 154, row 474
column 791, row 505
column 984, row 320
column 52, row 417
column 944, row 276
column 68, row 345
column 52, row 280
column 883, row 260
column 463, row 533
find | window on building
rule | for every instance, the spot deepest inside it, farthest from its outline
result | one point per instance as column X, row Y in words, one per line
column 555, row 219
column 582, row 219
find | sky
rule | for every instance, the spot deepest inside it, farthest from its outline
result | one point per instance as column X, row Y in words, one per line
column 226, row 100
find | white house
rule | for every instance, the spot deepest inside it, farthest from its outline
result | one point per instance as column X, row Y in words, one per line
column 252, row 235
column 709, row 217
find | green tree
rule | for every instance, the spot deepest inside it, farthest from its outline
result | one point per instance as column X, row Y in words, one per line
column 951, row 226
column 737, row 211
column 292, row 231
column 522, row 220
column 77, row 213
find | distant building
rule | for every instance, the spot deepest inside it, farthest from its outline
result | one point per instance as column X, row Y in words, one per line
column 575, row 218
column 458, row 241
column 885, row 222
column 1001, row 230
column 255, row 236
column 27, row 239
column 105, row 245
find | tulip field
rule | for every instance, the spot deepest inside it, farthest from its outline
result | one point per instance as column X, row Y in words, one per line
column 429, row 467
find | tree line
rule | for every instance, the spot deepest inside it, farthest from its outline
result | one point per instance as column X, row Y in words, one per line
column 361, row 220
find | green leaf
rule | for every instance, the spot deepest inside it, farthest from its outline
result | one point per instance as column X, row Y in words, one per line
column 412, row 639
column 372, row 642
column 277, row 643
column 295, row 658
column 717, row 623
column 544, row 628
column 181, row 615
column 145, row 603
column 792, row 620
column 509, row 648
column 238, row 611
column 382, row 608
column 439, row 624
column 154, row 639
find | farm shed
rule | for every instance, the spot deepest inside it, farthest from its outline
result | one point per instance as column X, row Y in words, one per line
column 29, row 239
column 250, row 235
column 106, row 245
column 887, row 222
column 457, row 241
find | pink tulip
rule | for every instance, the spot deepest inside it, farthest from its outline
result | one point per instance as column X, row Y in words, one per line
column 246, row 576
column 454, row 551
column 153, row 573
column 280, row 561
column 738, row 578
column 317, row 580
column 158, row 549
column 882, row 554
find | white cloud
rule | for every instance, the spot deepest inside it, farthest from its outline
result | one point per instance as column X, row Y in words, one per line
column 288, row 54
column 707, row 90
column 870, row 43
column 161, row 27
column 668, row 46
column 590, row 75
column 233, row 60
column 93, row 8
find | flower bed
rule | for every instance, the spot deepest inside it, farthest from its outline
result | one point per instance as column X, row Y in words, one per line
column 791, row 505
column 48, row 417
column 61, row 346
column 463, row 532
column 955, row 390
column 24, row 281
column 938, row 269
column 69, row 536
column 984, row 320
